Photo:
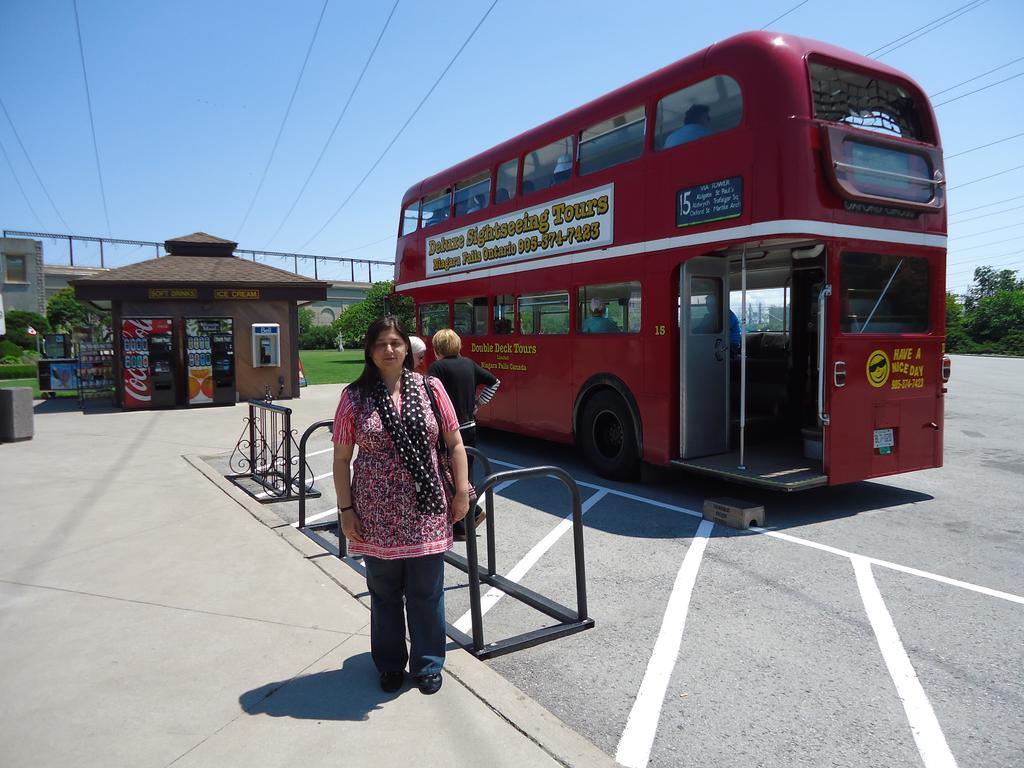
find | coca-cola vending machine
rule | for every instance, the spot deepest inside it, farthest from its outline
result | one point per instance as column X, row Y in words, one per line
column 147, row 362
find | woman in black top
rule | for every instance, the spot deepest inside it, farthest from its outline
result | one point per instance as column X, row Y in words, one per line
column 461, row 378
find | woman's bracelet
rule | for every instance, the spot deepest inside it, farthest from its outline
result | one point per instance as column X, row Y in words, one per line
column 346, row 509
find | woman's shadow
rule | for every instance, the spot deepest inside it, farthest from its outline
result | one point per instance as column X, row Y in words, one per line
column 349, row 693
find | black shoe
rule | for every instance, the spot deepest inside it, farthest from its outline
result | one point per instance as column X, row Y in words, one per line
column 429, row 684
column 391, row 681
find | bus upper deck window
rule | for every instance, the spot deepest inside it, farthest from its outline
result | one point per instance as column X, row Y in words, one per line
column 473, row 194
column 613, row 141
column 508, row 175
column 547, row 166
column 699, row 110
column 410, row 218
column 865, row 101
column 436, row 208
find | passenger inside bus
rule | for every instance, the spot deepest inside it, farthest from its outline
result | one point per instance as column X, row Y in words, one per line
column 696, row 125
column 597, row 322
column 562, row 170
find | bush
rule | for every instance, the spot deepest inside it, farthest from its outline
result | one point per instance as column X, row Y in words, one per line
column 18, row 371
column 10, row 349
column 319, row 337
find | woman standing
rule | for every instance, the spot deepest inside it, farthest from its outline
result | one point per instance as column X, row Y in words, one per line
column 394, row 510
column 462, row 378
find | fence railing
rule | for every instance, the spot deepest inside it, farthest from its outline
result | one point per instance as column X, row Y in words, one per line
column 267, row 456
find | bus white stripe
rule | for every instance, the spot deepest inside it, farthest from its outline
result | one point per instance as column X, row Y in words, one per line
column 761, row 229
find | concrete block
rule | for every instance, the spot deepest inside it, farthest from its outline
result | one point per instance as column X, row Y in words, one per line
column 734, row 512
column 16, row 414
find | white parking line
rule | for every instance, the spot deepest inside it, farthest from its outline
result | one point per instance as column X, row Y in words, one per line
column 806, row 543
column 637, row 739
column 493, row 595
column 931, row 742
column 317, row 517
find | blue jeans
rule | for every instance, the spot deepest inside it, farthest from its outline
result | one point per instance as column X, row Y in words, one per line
column 421, row 581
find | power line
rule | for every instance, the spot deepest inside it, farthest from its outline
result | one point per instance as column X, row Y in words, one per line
column 998, row 267
column 986, row 215
column 983, row 178
column 92, row 124
column 986, row 245
column 985, row 146
column 987, row 205
column 32, row 166
column 976, row 90
column 948, row 18
column 987, row 231
column 778, row 18
column 976, row 77
column 287, row 112
column 975, row 259
column 18, row 182
column 334, row 130
column 404, row 126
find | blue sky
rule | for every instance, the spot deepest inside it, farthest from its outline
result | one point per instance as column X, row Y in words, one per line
column 188, row 97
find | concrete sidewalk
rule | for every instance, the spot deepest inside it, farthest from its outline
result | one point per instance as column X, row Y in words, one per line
column 149, row 617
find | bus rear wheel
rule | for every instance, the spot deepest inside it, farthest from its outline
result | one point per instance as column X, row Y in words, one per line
column 608, row 437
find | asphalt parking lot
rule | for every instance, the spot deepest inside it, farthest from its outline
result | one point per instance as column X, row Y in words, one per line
column 880, row 623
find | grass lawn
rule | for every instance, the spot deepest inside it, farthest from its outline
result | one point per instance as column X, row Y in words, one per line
column 34, row 383
column 329, row 366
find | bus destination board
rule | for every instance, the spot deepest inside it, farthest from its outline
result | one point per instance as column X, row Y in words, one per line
column 713, row 201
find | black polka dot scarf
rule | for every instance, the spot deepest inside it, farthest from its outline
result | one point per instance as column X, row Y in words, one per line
column 408, row 432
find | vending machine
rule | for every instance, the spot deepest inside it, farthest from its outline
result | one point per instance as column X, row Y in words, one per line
column 210, row 359
column 147, row 362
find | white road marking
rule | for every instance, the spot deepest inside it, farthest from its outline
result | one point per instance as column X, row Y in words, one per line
column 317, row 517
column 931, row 742
column 894, row 566
column 493, row 595
column 634, row 748
column 317, row 453
column 806, row 543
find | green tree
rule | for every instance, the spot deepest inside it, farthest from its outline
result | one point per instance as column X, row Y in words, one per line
column 18, row 322
column 67, row 314
column 997, row 321
column 306, row 318
column 988, row 282
column 957, row 339
column 380, row 300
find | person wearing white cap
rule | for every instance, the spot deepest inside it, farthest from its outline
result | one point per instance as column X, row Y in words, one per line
column 419, row 351
column 563, row 167
column 597, row 322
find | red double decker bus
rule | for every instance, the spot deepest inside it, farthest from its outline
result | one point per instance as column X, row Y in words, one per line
column 600, row 263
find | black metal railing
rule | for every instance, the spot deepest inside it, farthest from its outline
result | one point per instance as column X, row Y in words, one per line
column 569, row 621
column 266, row 455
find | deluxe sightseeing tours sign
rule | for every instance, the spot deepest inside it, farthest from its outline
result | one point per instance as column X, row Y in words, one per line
column 574, row 223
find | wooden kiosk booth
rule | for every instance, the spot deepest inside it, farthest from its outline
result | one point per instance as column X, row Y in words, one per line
column 201, row 326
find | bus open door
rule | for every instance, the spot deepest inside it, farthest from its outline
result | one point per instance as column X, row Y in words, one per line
column 880, row 390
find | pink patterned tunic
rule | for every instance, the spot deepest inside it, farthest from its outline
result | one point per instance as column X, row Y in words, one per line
column 383, row 491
